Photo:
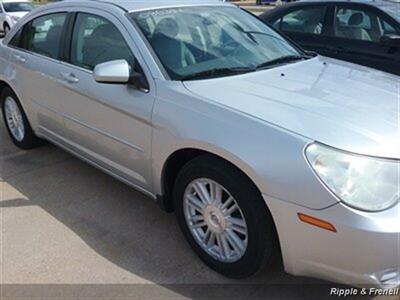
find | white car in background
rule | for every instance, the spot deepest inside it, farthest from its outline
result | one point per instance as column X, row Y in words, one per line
column 11, row 11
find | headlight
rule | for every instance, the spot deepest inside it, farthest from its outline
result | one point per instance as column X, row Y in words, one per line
column 363, row 182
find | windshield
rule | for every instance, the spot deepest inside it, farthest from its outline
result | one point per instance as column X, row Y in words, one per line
column 17, row 6
column 211, row 40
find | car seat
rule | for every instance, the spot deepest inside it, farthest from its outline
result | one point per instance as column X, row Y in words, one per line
column 173, row 52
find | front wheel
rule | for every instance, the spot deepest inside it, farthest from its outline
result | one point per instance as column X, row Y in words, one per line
column 223, row 217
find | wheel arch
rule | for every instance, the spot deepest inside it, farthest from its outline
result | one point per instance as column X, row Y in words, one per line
column 4, row 85
column 5, row 82
column 176, row 160
column 179, row 158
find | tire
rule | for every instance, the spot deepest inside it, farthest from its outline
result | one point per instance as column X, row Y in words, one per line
column 262, row 244
column 7, row 29
column 25, row 138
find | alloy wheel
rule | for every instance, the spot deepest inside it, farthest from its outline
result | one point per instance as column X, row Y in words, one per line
column 14, row 119
column 215, row 220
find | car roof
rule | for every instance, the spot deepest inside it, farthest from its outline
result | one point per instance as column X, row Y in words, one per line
column 378, row 3
column 135, row 5
column 392, row 7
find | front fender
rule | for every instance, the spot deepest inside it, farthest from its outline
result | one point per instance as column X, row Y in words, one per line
column 272, row 157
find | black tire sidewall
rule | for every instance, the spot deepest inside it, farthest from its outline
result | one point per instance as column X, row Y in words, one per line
column 261, row 234
column 30, row 140
column 8, row 27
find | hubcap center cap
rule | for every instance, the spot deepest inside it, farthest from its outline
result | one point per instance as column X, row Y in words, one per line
column 214, row 219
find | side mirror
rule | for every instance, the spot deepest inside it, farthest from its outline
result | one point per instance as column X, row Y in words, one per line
column 120, row 72
column 391, row 40
column 116, row 71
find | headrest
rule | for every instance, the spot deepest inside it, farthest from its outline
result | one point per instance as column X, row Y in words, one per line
column 105, row 31
column 168, row 27
column 54, row 32
column 356, row 19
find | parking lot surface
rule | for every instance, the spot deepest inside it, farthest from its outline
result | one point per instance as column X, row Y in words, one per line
column 65, row 222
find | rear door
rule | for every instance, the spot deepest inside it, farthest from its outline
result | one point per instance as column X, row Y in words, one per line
column 305, row 25
column 356, row 33
column 35, row 58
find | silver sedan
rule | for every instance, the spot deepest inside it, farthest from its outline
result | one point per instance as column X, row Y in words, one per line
column 260, row 148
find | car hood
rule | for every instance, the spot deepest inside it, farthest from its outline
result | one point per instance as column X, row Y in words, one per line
column 340, row 104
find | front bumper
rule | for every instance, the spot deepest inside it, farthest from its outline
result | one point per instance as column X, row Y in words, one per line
column 365, row 250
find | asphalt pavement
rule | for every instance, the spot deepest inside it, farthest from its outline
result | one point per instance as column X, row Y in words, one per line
column 66, row 225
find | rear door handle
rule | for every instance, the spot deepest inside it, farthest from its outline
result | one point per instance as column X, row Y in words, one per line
column 19, row 58
column 70, row 77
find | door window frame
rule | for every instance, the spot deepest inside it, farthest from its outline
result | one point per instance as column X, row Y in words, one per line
column 67, row 38
column 22, row 30
column 70, row 35
column 73, row 15
column 304, row 7
column 361, row 7
column 27, row 26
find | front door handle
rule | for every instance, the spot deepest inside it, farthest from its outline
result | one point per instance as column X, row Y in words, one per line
column 19, row 58
column 70, row 77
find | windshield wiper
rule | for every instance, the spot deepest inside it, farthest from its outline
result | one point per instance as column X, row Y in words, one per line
column 281, row 60
column 251, row 33
column 215, row 73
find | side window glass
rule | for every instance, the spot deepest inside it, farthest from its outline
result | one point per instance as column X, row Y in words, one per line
column 44, row 35
column 358, row 24
column 16, row 39
column 95, row 40
column 387, row 28
column 277, row 24
column 306, row 20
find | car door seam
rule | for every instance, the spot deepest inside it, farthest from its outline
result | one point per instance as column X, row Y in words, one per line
column 102, row 132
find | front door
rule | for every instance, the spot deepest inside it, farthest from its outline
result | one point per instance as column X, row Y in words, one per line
column 110, row 124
